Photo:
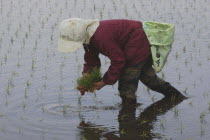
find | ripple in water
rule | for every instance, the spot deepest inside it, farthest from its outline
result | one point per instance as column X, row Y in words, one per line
column 52, row 115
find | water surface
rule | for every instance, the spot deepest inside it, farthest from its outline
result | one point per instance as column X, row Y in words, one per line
column 38, row 98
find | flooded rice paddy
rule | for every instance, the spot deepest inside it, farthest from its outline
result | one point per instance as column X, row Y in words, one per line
column 38, row 100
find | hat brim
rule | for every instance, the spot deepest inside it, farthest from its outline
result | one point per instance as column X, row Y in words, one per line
column 68, row 46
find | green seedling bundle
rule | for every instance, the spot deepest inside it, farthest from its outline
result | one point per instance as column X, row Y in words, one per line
column 87, row 80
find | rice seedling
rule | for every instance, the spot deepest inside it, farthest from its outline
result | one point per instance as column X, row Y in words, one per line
column 87, row 80
column 26, row 34
column 16, row 33
column 29, row 28
column 186, row 62
column 6, row 103
column 177, row 55
column 205, row 95
column 185, row 91
column 162, row 124
column 18, row 63
column 5, row 58
column 19, row 130
column 24, row 42
column 184, row 49
column 32, row 75
column 148, row 90
column 94, row 7
column 181, row 127
column 65, row 107
column 62, row 65
column 12, row 40
column 23, row 105
column 123, row 132
column 144, row 134
column 11, row 79
column 199, row 64
column 8, row 89
column 33, row 64
column 28, row 83
column 190, row 70
column 45, row 86
column 202, row 131
column 43, row 132
column 20, row 25
column 61, row 87
column 179, row 76
column 25, row 93
column 166, row 138
column 101, row 14
column 153, row 99
column 79, row 100
column 123, row 117
column 43, row 109
column 8, row 27
column 39, row 35
column 125, row 10
column 176, row 112
column 194, row 84
column 202, row 117
column 3, row 130
column 51, row 37
column 143, row 122
column 140, row 108
column 41, row 120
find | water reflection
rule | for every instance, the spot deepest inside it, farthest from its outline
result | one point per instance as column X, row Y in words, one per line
column 130, row 126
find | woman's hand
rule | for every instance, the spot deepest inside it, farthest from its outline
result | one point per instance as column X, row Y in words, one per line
column 99, row 85
column 82, row 91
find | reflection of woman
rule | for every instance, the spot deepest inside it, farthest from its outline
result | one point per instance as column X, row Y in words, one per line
column 124, row 42
column 130, row 127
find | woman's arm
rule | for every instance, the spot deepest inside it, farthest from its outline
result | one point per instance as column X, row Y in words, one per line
column 91, row 59
column 116, row 55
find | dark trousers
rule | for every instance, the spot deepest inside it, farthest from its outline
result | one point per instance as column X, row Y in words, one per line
column 130, row 76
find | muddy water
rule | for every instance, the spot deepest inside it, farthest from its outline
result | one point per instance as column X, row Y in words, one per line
column 38, row 97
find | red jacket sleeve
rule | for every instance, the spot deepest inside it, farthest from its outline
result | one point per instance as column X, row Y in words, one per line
column 116, row 55
column 91, row 59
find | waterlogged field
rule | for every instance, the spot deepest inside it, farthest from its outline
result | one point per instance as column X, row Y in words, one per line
column 38, row 100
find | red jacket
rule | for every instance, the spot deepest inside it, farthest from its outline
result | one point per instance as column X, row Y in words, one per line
column 122, row 41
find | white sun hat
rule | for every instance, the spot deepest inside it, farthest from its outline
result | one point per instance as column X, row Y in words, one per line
column 75, row 32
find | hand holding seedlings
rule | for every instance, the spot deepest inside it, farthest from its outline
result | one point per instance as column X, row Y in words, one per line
column 90, row 81
column 99, row 85
column 96, row 86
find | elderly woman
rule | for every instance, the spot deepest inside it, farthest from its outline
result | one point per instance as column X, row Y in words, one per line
column 125, row 43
